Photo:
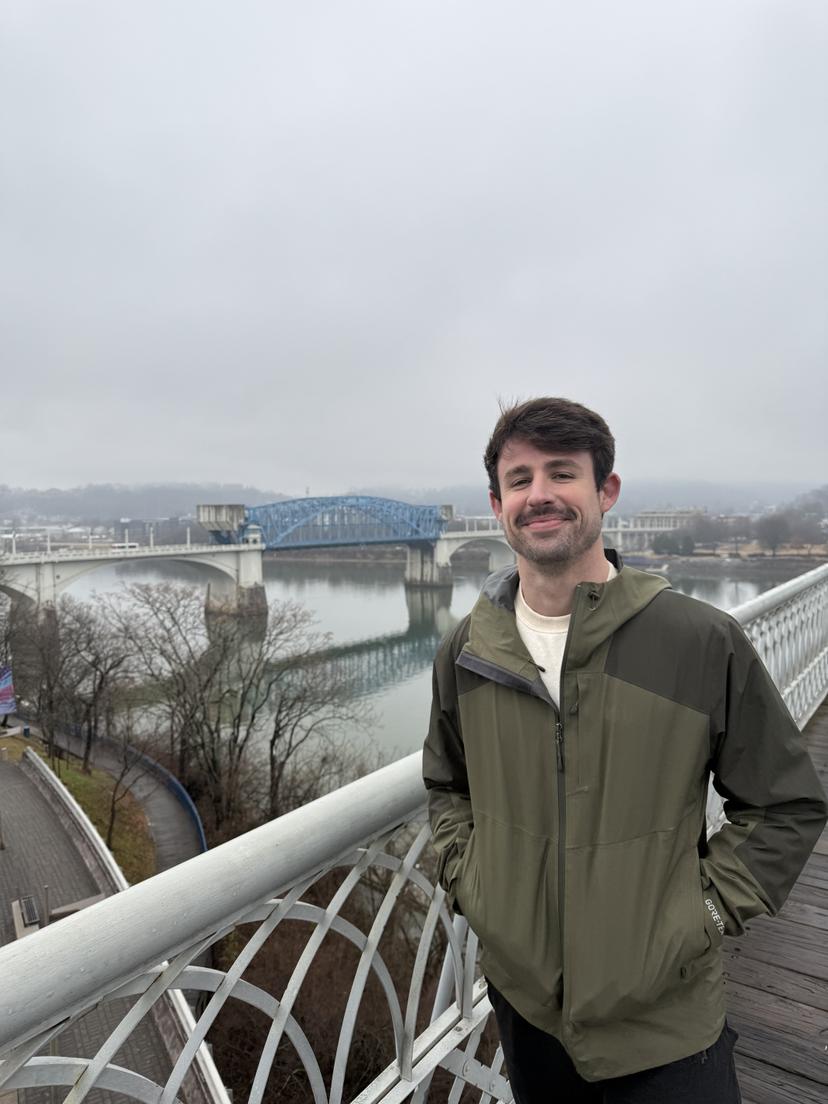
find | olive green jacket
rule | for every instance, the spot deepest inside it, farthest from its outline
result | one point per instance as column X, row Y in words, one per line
column 574, row 840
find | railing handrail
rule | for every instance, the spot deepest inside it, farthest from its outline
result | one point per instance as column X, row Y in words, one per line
column 53, row 972
column 770, row 600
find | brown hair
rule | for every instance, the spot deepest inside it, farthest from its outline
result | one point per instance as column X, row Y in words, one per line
column 555, row 425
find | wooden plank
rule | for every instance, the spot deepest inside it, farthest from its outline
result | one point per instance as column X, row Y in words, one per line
column 807, row 895
column 797, row 946
column 812, row 915
column 815, row 872
column 798, row 912
column 781, row 1032
column 775, row 979
column 764, row 1084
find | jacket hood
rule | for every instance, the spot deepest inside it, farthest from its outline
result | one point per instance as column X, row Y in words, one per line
column 601, row 609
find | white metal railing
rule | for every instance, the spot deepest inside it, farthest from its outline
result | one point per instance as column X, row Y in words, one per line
column 147, row 940
column 459, row 526
column 788, row 626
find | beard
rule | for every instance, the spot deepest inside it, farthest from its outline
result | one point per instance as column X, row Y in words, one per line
column 556, row 548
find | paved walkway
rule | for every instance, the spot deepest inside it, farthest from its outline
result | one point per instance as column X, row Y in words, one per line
column 778, row 980
column 39, row 852
column 173, row 832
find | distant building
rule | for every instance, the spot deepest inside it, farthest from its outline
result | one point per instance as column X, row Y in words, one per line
column 635, row 533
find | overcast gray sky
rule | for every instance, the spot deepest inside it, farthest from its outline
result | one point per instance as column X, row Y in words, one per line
column 310, row 244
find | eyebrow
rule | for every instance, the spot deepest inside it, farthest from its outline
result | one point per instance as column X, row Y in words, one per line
column 550, row 465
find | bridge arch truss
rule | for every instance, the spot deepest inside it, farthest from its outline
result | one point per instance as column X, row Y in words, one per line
column 344, row 520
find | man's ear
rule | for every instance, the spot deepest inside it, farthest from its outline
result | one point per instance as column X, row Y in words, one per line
column 608, row 495
column 496, row 505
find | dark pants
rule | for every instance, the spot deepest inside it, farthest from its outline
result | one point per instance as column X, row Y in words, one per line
column 541, row 1072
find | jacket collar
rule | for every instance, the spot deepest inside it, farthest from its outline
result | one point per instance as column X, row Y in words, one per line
column 601, row 609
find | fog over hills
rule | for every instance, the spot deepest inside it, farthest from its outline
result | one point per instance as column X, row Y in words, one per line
column 108, row 501
column 636, row 495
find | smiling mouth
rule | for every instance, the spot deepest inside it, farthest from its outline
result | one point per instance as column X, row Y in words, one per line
column 544, row 521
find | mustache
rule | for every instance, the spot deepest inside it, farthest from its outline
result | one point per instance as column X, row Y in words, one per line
column 544, row 512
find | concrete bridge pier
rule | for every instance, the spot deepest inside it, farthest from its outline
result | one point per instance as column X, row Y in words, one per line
column 227, row 599
column 428, row 609
column 425, row 568
column 240, row 593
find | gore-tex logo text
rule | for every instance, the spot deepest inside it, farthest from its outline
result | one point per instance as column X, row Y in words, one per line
column 714, row 912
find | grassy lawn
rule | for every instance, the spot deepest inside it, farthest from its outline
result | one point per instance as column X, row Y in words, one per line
column 132, row 843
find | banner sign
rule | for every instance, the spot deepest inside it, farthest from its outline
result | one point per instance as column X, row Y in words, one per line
column 7, row 702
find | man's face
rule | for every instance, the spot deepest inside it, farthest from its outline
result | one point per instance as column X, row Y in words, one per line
column 549, row 506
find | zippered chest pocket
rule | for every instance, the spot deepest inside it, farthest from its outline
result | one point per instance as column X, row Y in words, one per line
column 640, row 757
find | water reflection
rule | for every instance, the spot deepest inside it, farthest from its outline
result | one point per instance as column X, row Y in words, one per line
column 724, row 592
column 384, row 636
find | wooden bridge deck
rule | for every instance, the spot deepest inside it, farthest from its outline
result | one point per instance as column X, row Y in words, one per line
column 778, row 980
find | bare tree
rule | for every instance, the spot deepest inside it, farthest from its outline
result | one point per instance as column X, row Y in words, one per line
column 133, row 764
column 772, row 530
column 806, row 530
column 95, row 657
column 707, row 530
column 41, row 666
column 221, row 693
column 310, row 705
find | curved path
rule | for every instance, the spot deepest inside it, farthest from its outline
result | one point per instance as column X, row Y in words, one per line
column 173, row 832
column 39, row 852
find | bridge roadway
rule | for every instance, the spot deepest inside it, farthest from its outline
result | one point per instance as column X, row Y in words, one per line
column 235, row 571
column 778, row 979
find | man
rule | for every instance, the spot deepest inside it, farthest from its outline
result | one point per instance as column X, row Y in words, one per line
column 578, row 713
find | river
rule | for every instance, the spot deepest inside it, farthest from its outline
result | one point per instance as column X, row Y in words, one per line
column 366, row 602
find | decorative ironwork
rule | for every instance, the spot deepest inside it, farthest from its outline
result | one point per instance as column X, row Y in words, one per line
column 348, row 867
column 382, row 880
column 344, row 520
column 788, row 626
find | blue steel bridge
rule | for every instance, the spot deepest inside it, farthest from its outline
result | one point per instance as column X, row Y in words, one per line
column 358, row 520
column 333, row 522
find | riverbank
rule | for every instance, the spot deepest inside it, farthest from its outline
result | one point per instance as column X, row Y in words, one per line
column 777, row 568
column 371, row 554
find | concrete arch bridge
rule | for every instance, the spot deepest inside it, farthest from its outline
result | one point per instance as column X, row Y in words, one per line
column 240, row 534
column 235, row 572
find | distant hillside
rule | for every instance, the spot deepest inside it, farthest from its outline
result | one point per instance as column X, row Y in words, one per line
column 636, row 494
column 102, row 502
column 105, row 502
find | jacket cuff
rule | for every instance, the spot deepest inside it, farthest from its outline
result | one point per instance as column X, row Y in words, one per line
column 452, row 869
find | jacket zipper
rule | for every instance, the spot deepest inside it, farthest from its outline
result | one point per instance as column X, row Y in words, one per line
column 559, row 742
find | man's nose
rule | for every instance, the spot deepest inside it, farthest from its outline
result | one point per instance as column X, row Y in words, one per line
column 540, row 491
